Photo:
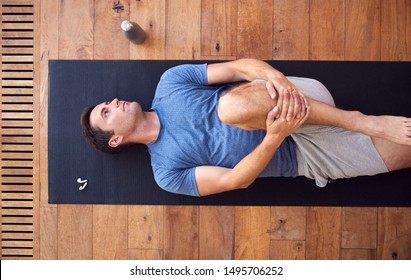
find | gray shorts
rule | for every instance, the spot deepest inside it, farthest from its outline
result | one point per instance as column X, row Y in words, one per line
column 327, row 153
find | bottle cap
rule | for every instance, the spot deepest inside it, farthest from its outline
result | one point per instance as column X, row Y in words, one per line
column 126, row 25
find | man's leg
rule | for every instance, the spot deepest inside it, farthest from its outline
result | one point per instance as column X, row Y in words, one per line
column 392, row 128
column 395, row 156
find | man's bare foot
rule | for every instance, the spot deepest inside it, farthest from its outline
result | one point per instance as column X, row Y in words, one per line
column 395, row 129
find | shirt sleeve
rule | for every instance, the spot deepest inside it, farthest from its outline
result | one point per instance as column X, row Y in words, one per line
column 177, row 181
column 178, row 78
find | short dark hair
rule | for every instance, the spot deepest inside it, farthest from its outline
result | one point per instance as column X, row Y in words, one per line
column 97, row 137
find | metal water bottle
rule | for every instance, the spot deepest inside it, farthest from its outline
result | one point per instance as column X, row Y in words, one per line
column 133, row 32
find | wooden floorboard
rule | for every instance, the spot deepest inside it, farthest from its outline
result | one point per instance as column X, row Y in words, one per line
column 35, row 31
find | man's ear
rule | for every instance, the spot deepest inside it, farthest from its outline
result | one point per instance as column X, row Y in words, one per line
column 115, row 141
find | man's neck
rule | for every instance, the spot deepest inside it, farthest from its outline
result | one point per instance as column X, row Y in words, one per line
column 149, row 130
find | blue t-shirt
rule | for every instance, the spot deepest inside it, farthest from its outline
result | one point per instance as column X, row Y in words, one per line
column 191, row 133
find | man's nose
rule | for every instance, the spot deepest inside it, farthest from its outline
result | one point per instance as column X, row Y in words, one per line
column 114, row 102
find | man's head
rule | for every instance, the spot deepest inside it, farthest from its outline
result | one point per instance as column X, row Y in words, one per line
column 109, row 126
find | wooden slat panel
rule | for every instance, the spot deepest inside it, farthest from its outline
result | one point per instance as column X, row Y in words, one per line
column 17, row 188
column 16, row 163
column 26, row 236
column 17, row 83
column 19, row 228
column 17, row 139
column 17, row 75
column 219, row 28
column 17, row 180
column 17, row 18
column 16, row 156
column 17, row 220
column 18, row 26
column 17, row 50
column 18, row 244
column 16, row 99
column 17, row 34
column 17, row 107
column 17, row 58
column 17, row 147
column 27, row 212
column 17, row 7
column 17, row 252
column 17, row 115
column 17, row 204
column 18, row 91
column 19, row 67
column 17, row 131
column 16, row 123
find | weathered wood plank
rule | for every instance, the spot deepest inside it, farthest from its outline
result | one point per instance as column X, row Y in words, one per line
column 109, row 41
column 145, row 254
column 252, row 232
column 181, row 232
column 323, row 239
column 327, row 30
column 151, row 16
column 75, row 232
column 291, row 29
column 183, row 29
column 145, row 227
column 362, row 30
column 110, row 232
column 76, row 37
column 48, row 233
column 394, row 233
column 359, row 227
column 255, row 32
column 219, row 28
column 358, row 254
column 395, row 30
column 216, row 232
column 288, row 223
column 287, row 250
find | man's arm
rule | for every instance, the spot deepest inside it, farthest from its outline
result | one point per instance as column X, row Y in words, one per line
column 248, row 69
column 214, row 179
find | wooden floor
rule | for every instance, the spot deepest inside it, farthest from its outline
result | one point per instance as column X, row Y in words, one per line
column 35, row 31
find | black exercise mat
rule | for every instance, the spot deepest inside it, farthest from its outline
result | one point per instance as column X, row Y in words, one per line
column 371, row 87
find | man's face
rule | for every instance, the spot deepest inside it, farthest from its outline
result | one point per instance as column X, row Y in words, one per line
column 122, row 117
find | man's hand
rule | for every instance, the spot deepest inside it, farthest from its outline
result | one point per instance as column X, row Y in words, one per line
column 283, row 122
column 278, row 85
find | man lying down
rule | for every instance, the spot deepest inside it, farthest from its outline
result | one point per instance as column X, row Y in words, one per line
column 208, row 134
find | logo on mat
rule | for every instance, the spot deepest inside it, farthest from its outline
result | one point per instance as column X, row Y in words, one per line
column 84, row 182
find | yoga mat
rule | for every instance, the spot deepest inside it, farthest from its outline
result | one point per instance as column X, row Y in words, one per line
column 371, row 87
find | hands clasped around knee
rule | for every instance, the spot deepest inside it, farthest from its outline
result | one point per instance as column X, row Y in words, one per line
column 289, row 114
